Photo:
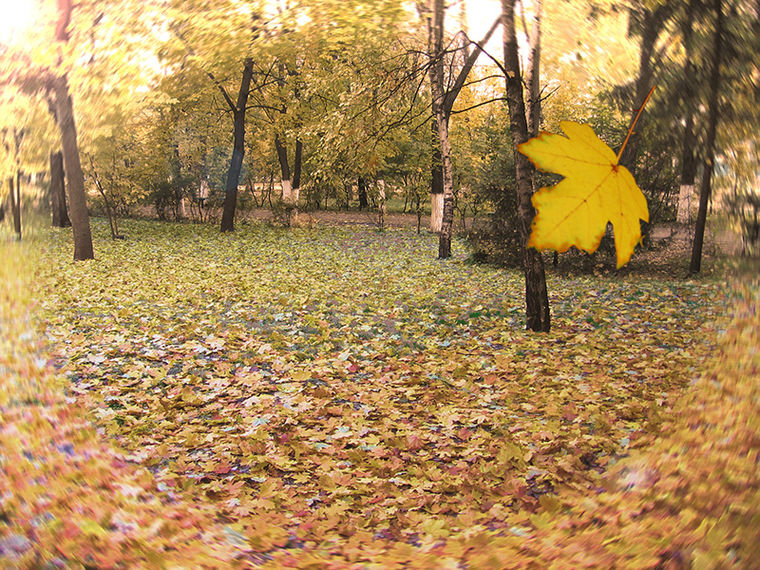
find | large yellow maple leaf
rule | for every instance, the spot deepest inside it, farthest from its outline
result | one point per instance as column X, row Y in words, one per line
column 595, row 190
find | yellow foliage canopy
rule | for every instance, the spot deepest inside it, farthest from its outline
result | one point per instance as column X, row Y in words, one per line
column 595, row 190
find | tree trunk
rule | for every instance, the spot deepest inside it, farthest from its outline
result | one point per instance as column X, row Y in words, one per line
column 704, row 191
column 438, row 210
column 80, row 219
column 532, row 75
column 297, row 163
column 109, row 211
column 58, row 191
column 437, row 87
column 238, row 148
column 688, row 157
column 686, row 194
column 436, row 184
column 282, row 157
column 361, row 186
column 536, row 296
column 15, row 198
column 652, row 26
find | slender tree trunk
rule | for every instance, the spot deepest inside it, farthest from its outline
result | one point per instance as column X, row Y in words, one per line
column 361, row 186
column 704, row 191
column 297, row 163
column 289, row 191
column 238, row 148
column 436, row 183
column 532, row 74
column 688, row 156
column 437, row 78
column 109, row 211
column 80, row 219
column 652, row 26
column 282, row 157
column 15, row 197
column 686, row 194
column 438, row 209
column 58, row 191
column 536, row 296
column 436, row 163
column 653, row 23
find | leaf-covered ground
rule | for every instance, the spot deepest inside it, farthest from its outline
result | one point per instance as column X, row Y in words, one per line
column 335, row 395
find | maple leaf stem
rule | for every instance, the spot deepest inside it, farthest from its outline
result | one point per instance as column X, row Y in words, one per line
column 635, row 120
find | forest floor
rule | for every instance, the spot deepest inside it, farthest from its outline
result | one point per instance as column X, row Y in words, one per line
column 335, row 395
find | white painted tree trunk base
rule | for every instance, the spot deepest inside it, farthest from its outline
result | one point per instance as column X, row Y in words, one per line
column 436, row 212
column 287, row 192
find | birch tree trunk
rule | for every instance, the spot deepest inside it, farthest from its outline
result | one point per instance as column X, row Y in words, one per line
column 536, row 296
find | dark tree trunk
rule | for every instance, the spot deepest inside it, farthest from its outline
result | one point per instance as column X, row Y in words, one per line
column 80, row 219
column 282, row 157
column 15, row 197
column 441, row 122
column 651, row 25
column 651, row 28
column 688, row 154
column 532, row 75
column 536, row 296
column 297, row 163
column 58, row 191
column 289, row 191
column 109, row 210
column 362, row 188
column 436, row 181
column 238, row 147
column 704, row 191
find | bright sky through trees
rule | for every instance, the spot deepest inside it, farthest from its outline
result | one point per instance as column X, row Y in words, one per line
column 16, row 16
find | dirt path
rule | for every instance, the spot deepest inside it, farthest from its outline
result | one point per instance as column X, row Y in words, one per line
column 345, row 218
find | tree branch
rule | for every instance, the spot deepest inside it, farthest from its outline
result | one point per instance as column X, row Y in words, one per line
column 476, row 105
column 226, row 96
column 451, row 95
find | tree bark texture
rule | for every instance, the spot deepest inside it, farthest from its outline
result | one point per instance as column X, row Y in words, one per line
column 536, row 296
column 712, row 125
column 58, row 191
column 436, row 181
column 80, row 219
column 15, row 198
column 238, row 147
column 532, row 73
column 652, row 25
column 441, row 121
column 282, row 158
column 297, row 163
column 688, row 156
